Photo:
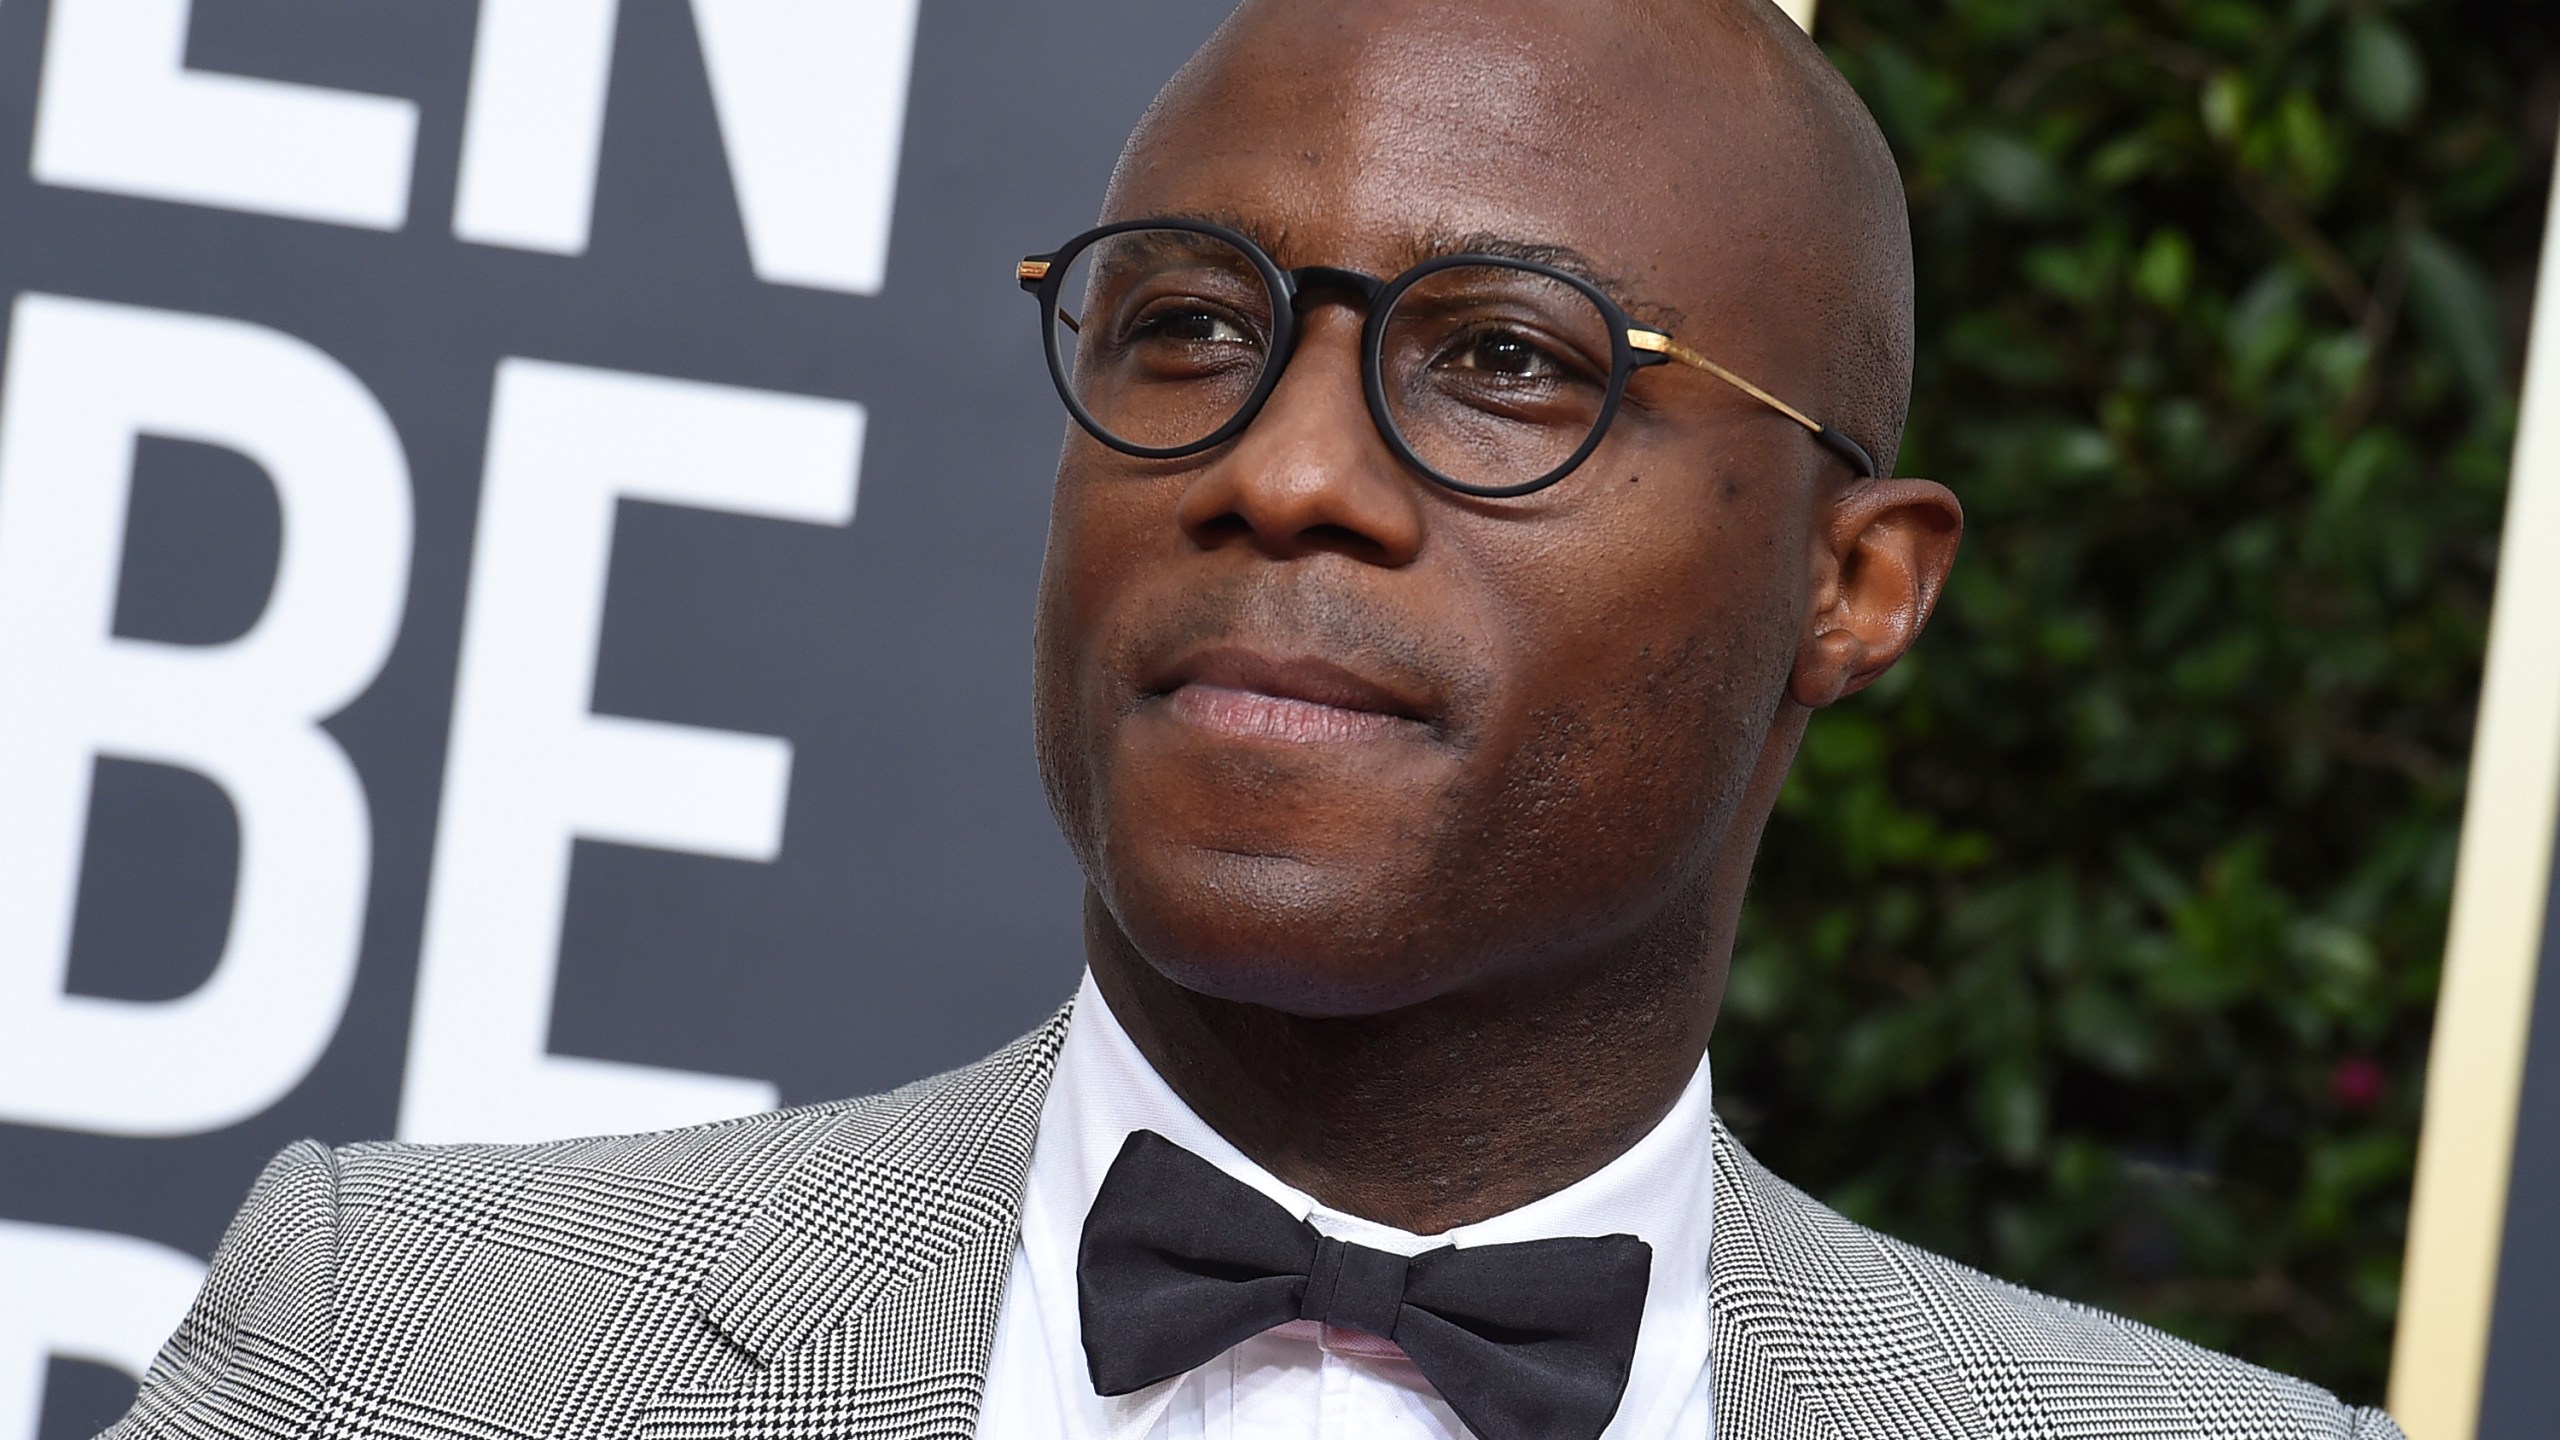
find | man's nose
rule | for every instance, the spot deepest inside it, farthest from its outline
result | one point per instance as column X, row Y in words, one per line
column 1311, row 473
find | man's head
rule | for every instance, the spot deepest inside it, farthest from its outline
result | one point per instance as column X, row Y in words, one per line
column 1331, row 739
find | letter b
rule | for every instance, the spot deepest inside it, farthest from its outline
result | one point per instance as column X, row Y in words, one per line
column 84, row 379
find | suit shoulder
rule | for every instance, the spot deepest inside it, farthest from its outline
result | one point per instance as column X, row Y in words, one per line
column 693, row 1153
column 663, row 1198
column 743, row 1157
column 2006, row 1335
column 625, row 1189
column 254, row 1342
column 471, row 1290
column 2012, row 1361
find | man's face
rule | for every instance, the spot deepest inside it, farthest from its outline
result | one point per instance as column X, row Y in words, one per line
column 1329, row 738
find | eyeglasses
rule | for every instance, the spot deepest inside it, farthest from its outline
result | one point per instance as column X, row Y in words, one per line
column 1492, row 375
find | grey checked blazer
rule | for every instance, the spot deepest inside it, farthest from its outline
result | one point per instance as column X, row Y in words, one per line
column 837, row 1270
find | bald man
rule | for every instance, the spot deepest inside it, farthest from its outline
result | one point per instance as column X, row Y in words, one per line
column 1481, row 422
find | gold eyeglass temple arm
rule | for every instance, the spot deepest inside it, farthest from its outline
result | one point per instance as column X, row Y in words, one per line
column 1661, row 344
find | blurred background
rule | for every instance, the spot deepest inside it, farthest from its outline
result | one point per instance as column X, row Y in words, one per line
column 2134, row 878
column 2096, row 946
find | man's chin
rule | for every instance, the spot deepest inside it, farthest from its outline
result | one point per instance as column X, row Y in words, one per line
column 1280, row 934
column 1309, row 991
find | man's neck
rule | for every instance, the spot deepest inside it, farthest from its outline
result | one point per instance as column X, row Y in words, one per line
column 1445, row 1113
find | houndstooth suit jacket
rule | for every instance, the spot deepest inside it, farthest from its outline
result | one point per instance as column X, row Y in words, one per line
column 836, row 1271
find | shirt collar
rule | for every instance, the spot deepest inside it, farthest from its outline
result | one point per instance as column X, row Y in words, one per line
column 1658, row 1191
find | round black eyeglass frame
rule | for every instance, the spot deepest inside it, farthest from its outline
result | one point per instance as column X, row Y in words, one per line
column 1632, row 347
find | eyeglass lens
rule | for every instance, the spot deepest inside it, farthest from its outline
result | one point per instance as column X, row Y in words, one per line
column 1492, row 375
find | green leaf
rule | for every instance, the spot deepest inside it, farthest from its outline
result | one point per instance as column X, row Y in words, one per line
column 2386, row 81
column 2105, row 1029
column 2457, row 307
column 2311, row 152
column 2167, row 265
column 2127, row 158
column 2265, row 324
column 2012, row 174
column 2009, row 1109
column 2224, row 105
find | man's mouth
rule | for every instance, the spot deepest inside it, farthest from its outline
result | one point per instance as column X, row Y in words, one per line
column 1302, row 700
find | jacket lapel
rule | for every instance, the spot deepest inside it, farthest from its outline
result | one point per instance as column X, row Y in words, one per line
column 866, row 1288
column 1818, row 1332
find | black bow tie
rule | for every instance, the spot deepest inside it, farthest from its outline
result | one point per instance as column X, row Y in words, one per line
column 1180, row 1263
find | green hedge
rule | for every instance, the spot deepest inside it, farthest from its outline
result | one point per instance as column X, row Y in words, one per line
column 2098, row 944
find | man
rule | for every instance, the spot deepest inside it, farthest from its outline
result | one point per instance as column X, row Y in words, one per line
column 1469, row 501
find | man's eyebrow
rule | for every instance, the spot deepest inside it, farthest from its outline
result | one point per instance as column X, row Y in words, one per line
column 1573, row 262
column 1431, row 244
column 1273, row 239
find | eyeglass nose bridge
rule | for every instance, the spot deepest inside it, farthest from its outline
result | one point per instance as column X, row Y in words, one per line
column 1309, row 280
column 1306, row 286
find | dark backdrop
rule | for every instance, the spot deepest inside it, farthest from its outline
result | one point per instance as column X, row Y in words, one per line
column 920, row 909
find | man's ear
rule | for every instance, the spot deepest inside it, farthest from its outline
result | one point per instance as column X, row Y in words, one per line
column 1881, row 555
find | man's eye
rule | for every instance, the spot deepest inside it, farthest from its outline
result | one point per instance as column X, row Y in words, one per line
column 1505, row 353
column 1190, row 325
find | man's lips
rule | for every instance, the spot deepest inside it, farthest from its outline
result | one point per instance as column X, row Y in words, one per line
column 1299, row 700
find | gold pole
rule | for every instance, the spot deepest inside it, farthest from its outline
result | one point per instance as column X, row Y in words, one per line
column 2475, row 1068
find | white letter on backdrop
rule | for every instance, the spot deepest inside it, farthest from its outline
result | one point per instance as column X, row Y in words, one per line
column 119, row 111
column 812, row 97
column 539, row 71
column 530, row 770
column 84, row 378
column 82, row 1295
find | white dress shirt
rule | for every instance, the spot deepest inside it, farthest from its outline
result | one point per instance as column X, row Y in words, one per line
column 1304, row 1381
